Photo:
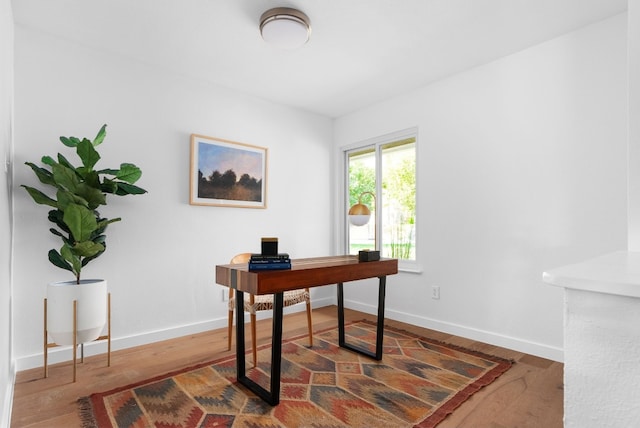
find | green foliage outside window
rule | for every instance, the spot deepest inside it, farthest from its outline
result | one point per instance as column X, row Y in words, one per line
column 399, row 195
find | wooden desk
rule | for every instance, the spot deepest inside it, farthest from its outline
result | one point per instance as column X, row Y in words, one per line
column 304, row 273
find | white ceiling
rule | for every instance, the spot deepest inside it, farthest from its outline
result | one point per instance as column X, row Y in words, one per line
column 360, row 51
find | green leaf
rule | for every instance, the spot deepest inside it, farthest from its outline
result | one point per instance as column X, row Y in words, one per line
column 40, row 198
column 55, row 217
column 65, row 198
column 99, row 231
column 93, row 196
column 103, row 223
column 88, row 154
column 57, row 260
column 48, row 160
column 58, row 233
column 81, row 222
column 88, row 259
column 65, row 177
column 75, row 141
column 100, row 239
column 109, row 171
column 129, row 173
column 109, row 186
column 129, row 189
column 92, row 179
column 69, row 142
column 87, row 248
column 69, row 256
column 44, row 175
column 100, row 137
column 63, row 161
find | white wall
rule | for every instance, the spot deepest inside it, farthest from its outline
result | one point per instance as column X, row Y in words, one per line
column 160, row 259
column 7, row 369
column 634, row 124
column 522, row 167
column 6, row 102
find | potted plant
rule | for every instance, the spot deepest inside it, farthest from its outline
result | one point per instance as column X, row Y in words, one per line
column 76, row 194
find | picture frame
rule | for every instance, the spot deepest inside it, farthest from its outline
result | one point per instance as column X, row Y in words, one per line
column 226, row 173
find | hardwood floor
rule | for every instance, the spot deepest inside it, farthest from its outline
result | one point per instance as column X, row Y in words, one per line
column 530, row 394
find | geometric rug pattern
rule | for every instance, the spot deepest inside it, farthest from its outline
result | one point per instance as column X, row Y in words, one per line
column 417, row 384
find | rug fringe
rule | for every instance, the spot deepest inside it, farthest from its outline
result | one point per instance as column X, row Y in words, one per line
column 86, row 413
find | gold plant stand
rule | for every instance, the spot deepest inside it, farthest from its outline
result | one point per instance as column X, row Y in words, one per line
column 48, row 345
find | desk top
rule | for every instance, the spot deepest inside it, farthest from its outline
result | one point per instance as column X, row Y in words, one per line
column 304, row 273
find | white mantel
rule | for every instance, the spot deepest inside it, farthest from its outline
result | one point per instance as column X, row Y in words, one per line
column 601, row 340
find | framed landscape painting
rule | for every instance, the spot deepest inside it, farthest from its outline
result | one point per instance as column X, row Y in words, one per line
column 227, row 174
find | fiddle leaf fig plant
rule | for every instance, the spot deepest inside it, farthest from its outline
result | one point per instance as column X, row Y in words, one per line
column 75, row 195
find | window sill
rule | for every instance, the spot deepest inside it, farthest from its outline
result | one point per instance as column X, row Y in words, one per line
column 408, row 266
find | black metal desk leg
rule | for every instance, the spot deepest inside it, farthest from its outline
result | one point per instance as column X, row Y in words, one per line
column 382, row 290
column 273, row 396
column 382, row 285
column 276, row 348
column 341, row 341
column 240, row 348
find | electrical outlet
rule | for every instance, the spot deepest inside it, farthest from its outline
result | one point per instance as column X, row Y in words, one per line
column 225, row 295
column 435, row 292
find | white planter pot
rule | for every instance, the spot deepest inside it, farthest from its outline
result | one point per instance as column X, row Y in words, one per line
column 91, row 297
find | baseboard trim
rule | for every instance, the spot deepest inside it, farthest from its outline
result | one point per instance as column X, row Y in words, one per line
column 65, row 353
column 5, row 420
column 528, row 347
column 62, row 354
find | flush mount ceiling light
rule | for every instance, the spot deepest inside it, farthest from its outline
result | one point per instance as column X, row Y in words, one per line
column 285, row 27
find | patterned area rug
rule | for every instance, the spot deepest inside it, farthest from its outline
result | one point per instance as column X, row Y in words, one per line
column 418, row 383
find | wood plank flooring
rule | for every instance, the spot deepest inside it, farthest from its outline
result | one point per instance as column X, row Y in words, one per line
column 530, row 394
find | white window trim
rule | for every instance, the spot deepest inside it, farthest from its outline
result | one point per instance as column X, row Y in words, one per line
column 409, row 266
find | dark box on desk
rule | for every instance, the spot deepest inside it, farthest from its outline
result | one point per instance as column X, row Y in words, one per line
column 368, row 256
column 269, row 246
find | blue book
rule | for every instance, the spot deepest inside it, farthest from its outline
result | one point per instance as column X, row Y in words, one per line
column 269, row 266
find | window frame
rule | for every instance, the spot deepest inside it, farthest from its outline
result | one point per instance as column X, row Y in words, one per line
column 376, row 143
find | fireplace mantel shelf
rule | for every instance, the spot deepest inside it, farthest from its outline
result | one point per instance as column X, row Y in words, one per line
column 615, row 273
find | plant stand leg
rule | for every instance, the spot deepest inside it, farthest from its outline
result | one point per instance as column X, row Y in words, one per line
column 46, row 341
column 107, row 336
column 109, row 330
column 75, row 338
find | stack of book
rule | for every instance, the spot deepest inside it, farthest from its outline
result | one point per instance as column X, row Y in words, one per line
column 269, row 262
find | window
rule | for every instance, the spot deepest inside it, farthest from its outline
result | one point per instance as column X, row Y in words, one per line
column 381, row 174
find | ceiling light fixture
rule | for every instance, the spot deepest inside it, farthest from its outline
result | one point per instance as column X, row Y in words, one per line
column 285, row 27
